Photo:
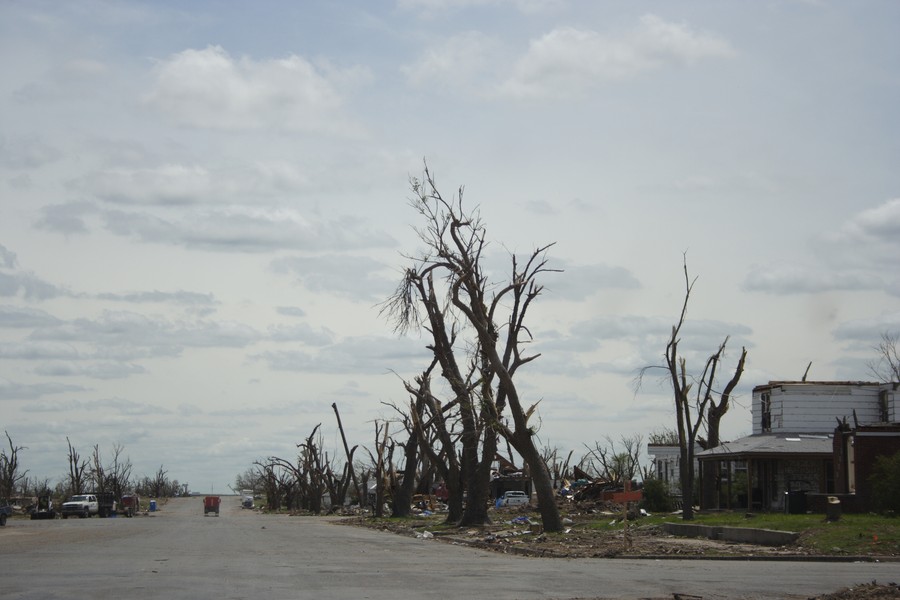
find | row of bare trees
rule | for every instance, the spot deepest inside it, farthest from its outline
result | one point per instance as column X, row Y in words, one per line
column 91, row 473
column 466, row 402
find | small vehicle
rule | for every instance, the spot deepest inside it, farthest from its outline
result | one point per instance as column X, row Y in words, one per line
column 514, row 498
column 44, row 508
column 131, row 504
column 106, row 505
column 5, row 511
column 82, row 506
column 211, row 505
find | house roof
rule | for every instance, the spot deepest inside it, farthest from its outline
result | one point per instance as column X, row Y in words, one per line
column 774, row 384
column 772, row 445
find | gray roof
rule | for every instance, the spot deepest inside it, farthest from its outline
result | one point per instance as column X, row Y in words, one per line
column 772, row 445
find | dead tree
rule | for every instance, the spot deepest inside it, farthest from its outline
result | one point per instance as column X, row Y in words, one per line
column 440, row 444
column 617, row 465
column 886, row 366
column 456, row 242
column 692, row 410
column 10, row 470
column 77, row 468
column 349, row 454
column 382, row 465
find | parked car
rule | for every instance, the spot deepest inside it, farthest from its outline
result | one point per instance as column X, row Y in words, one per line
column 5, row 511
column 83, row 506
column 513, row 498
column 44, row 508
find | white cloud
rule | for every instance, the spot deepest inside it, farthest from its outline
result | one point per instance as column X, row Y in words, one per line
column 569, row 61
column 455, row 63
column 239, row 230
column 879, row 224
column 786, row 278
column 431, row 7
column 209, row 89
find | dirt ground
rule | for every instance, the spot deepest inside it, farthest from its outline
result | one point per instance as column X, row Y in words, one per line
column 518, row 531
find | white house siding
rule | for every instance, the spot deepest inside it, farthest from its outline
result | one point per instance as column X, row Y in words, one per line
column 803, row 407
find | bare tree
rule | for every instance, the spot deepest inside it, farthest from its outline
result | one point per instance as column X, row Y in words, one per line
column 496, row 317
column 11, row 472
column 437, row 440
column 617, row 464
column 886, row 366
column 77, row 468
column 693, row 409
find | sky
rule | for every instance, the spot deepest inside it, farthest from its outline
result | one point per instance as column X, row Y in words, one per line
column 203, row 206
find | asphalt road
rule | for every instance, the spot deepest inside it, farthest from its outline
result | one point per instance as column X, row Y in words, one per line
column 177, row 552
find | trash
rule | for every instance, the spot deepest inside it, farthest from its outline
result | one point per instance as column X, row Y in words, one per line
column 520, row 521
column 567, row 521
column 425, row 535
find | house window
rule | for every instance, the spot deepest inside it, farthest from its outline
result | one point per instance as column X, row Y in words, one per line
column 883, row 406
column 766, row 411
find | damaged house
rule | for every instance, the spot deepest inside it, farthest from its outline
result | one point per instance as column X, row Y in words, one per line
column 796, row 457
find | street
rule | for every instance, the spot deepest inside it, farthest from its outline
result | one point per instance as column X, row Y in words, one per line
column 177, row 552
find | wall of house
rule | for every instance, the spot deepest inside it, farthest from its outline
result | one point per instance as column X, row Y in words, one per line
column 869, row 442
column 800, row 407
column 664, row 464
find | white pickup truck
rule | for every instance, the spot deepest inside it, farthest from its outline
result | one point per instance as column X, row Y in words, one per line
column 83, row 506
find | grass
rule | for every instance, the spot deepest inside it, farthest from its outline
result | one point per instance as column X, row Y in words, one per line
column 852, row 534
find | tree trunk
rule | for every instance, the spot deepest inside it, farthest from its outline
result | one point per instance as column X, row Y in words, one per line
column 403, row 496
column 543, row 485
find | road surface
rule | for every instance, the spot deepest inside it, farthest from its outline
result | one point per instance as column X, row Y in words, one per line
column 177, row 552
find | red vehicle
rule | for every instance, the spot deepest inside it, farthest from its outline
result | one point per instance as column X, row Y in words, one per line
column 211, row 505
column 130, row 505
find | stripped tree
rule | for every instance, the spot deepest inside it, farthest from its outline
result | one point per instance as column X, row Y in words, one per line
column 495, row 318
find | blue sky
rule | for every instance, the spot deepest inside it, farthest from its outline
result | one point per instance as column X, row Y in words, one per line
column 203, row 205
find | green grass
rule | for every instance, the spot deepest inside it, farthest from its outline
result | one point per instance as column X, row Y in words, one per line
column 851, row 534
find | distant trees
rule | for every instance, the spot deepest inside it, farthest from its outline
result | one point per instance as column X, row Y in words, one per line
column 886, row 365
column 11, row 472
column 617, row 462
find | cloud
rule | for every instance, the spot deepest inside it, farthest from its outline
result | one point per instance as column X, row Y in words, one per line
column 68, row 218
column 209, row 89
column 28, row 286
column 862, row 255
column 361, row 355
column 569, row 61
column 433, row 7
column 868, row 331
column 581, row 281
column 29, row 152
column 239, row 230
column 10, row 390
column 94, row 370
column 108, row 406
column 353, row 277
column 7, row 258
column 785, row 279
column 301, row 333
column 17, row 317
column 124, row 330
column 181, row 297
column 291, row 311
column 453, row 63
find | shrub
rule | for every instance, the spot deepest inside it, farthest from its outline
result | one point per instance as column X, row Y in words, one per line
column 657, row 497
column 885, row 481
